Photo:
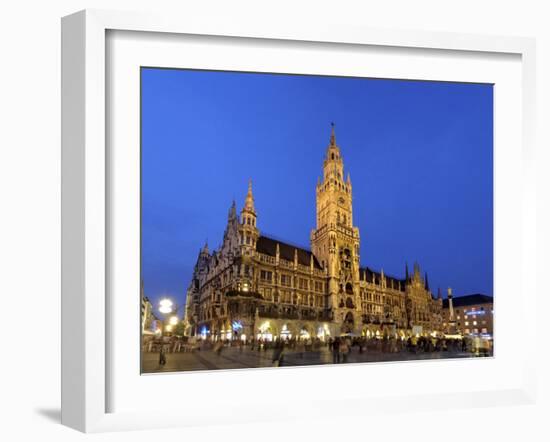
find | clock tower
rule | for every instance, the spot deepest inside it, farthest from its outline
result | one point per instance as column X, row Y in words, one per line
column 335, row 241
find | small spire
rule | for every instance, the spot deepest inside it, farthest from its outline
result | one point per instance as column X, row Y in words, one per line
column 332, row 135
column 249, row 201
column 233, row 210
column 205, row 248
column 406, row 271
column 426, row 284
column 416, row 271
column 439, row 293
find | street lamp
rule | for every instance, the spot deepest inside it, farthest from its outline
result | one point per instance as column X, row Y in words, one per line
column 165, row 306
column 169, row 310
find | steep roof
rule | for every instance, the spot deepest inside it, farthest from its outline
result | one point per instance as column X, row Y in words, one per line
column 468, row 300
column 367, row 273
column 268, row 246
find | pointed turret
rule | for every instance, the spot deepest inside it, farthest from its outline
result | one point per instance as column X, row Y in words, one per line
column 332, row 135
column 249, row 201
column 426, row 283
column 232, row 211
column 248, row 231
column 406, row 272
column 333, row 159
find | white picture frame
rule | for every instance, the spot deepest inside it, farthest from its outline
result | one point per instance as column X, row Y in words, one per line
column 86, row 203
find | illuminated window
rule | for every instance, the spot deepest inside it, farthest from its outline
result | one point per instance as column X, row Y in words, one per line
column 466, row 323
column 475, row 322
column 286, row 280
column 266, row 275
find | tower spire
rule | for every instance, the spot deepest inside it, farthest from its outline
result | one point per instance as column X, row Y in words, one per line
column 426, row 284
column 232, row 211
column 332, row 134
column 249, row 201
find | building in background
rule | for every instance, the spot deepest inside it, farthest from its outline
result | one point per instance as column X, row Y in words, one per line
column 255, row 286
column 473, row 314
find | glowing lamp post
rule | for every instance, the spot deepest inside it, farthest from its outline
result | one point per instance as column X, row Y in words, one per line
column 165, row 306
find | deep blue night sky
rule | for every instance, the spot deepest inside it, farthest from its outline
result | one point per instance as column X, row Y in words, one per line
column 420, row 155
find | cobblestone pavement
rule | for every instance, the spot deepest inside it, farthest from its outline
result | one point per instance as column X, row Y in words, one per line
column 231, row 358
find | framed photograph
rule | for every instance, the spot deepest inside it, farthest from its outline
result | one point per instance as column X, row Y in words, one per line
column 327, row 215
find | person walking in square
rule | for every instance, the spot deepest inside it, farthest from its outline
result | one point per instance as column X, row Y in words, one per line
column 344, row 350
column 162, row 356
column 336, row 351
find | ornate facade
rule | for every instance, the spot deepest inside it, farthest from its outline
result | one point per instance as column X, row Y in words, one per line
column 256, row 286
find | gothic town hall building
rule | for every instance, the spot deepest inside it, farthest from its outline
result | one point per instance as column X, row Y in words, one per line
column 258, row 287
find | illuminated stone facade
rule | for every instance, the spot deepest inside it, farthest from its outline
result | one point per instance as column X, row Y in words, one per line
column 256, row 286
column 469, row 314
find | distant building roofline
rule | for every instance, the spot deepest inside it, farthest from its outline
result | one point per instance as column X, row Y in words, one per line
column 468, row 300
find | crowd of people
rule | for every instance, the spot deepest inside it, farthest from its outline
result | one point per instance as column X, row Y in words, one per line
column 340, row 347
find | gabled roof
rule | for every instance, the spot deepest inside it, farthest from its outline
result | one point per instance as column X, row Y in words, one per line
column 268, row 246
column 468, row 300
column 367, row 273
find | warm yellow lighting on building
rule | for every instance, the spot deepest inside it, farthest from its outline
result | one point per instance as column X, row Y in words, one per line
column 173, row 320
